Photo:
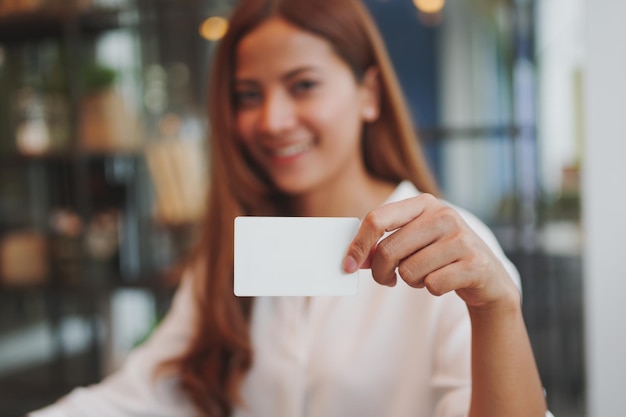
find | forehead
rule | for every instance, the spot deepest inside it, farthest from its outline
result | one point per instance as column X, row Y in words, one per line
column 277, row 45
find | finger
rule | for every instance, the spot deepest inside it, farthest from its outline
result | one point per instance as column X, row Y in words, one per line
column 452, row 277
column 433, row 225
column 367, row 264
column 379, row 221
column 415, row 268
column 403, row 243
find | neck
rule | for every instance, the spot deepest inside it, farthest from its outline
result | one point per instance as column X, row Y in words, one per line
column 347, row 198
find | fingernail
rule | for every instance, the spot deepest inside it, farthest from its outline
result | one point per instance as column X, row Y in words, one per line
column 350, row 265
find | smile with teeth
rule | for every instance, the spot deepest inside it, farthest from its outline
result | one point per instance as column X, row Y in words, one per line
column 291, row 150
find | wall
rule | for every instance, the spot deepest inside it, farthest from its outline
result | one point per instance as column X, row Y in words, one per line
column 604, row 206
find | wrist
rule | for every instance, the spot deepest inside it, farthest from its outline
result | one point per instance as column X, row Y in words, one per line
column 509, row 303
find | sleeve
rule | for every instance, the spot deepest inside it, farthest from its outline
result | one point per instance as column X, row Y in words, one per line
column 452, row 375
column 451, row 367
column 134, row 390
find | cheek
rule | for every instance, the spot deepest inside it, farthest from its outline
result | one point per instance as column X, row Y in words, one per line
column 342, row 107
column 340, row 119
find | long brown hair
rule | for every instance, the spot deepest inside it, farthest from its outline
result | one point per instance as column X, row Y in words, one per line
column 221, row 353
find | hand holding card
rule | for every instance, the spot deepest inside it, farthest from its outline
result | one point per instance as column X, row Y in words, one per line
column 293, row 256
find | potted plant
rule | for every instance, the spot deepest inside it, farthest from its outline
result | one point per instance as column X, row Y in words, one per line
column 107, row 123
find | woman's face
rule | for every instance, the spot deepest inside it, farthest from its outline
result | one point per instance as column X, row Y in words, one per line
column 300, row 109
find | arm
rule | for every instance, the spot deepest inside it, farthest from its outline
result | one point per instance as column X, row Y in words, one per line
column 505, row 380
column 433, row 247
column 135, row 390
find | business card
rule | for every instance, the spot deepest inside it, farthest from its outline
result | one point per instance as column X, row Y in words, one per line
column 293, row 256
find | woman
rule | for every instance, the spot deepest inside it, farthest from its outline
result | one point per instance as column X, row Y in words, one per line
column 308, row 120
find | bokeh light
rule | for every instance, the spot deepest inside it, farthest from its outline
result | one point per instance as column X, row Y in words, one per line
column 213, row 28
column 429, row 6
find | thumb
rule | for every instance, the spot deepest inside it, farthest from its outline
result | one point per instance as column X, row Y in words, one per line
column 351, row 261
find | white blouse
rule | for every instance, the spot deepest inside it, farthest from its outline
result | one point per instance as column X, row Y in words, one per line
column 385, row 352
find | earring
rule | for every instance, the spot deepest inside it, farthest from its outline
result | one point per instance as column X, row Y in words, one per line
column 370, row 114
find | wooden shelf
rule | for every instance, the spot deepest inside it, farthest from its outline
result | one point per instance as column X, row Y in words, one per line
column 54, row 22
column 156, row 282
column 37, row 24
column 7, row 159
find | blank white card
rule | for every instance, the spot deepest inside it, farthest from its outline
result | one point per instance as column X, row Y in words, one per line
column 293, row 256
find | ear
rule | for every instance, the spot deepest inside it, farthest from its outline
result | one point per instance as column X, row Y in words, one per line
column 370, row 90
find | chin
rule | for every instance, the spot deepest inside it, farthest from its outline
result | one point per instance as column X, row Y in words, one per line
column 293, row 186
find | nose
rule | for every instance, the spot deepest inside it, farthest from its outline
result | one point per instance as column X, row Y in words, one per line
column 278, row 113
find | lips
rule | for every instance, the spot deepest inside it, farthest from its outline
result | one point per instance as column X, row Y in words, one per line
column 290, row 150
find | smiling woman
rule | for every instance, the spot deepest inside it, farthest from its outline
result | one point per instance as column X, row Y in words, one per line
column 308, row 120
column 300, row 113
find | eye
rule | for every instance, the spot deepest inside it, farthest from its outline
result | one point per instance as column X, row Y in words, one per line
column 247, row 98
column 304, row 86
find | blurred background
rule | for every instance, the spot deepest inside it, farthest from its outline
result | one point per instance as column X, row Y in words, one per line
column 102, row 130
